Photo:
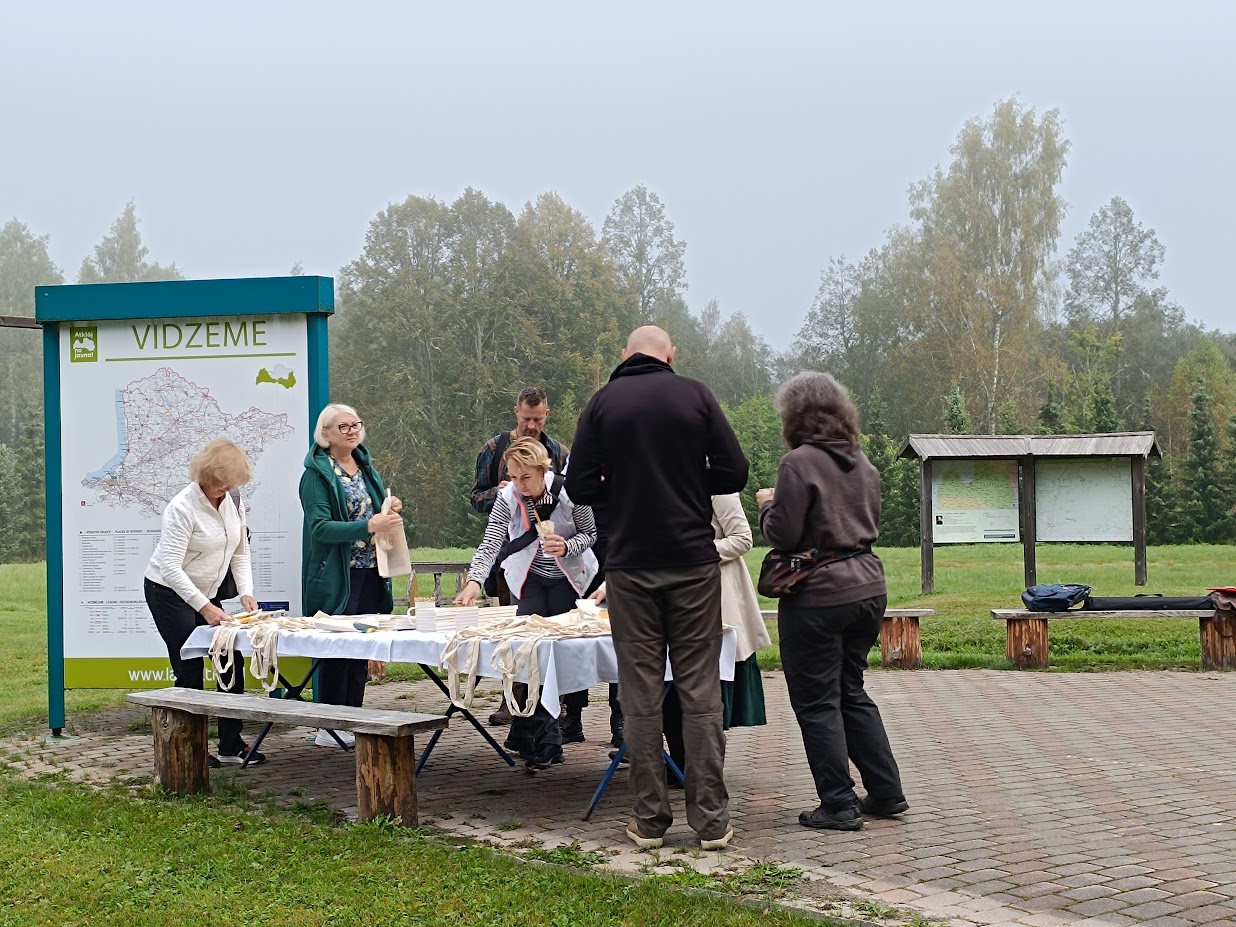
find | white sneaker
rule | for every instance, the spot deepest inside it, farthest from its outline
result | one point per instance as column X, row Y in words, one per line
column 324, row 738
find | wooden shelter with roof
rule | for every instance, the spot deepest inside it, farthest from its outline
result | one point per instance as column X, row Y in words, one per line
column 1093, row 488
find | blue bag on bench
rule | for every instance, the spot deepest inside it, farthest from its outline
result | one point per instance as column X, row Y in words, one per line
column 1055, row 598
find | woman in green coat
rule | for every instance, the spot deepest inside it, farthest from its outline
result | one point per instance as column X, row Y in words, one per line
column 342, row 494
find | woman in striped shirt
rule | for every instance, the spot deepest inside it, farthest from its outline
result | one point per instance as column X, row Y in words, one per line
column 544, row 542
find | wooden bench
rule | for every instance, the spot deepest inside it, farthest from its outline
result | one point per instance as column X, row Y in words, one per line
column 385, row 753
column 438, row 568
column 901, row 645
column 1026, row 633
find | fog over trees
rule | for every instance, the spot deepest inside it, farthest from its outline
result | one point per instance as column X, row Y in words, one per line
column 971, row 315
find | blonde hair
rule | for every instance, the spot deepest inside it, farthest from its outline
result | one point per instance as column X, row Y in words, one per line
column 326, row 419
column 220, row 463
column 529, row 453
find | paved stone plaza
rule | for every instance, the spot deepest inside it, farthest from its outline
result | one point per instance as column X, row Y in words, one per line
column 1037, row 799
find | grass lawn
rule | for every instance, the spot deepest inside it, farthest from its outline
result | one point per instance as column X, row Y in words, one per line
column 73, row 856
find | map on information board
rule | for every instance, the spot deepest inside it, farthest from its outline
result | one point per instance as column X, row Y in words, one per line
column 1084, row 499
column 974, row 501
column 162, row 420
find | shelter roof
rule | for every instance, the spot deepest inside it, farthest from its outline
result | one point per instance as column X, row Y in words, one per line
column 1122, row 444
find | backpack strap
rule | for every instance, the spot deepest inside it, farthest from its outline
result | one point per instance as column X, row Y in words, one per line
column 495, row 465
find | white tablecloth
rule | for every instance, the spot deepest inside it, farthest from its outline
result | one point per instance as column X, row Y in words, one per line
column 567, row 665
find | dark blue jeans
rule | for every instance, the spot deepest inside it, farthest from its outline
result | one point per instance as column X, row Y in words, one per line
column 176, row 619
column 824, row 655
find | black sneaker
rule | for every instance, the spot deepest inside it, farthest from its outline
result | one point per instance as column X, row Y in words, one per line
column 572, row 730
column 245, row 755
column 212, row 762
column 883, row 807
column 618, row 734
column 501, row 717
column 823, row 819
column 537, row 763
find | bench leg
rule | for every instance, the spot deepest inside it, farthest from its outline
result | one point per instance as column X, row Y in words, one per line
column 180, row 750
column 1218, row 642
column 1026, row 642
column 900, row 644
column 386, row 778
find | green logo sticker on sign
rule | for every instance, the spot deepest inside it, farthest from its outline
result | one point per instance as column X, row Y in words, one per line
column 85, row 342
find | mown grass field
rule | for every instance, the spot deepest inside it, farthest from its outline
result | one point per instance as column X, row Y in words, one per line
column 73, row 856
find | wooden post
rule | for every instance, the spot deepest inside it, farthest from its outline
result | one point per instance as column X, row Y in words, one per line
column 1026, row 642
column 1139, row 520
column 180, row 750
column 1218, row 642
column 900, row 643
column 386, row 778
column 1028, row 507
column 927, row 553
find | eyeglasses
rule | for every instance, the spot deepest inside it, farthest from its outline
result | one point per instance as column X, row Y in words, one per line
column 345, row 428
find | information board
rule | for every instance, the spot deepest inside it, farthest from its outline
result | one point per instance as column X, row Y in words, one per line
column 1084, row 499
column 140, row 397
column 974, row 501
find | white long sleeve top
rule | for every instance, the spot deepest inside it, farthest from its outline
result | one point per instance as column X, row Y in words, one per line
column 197, row 546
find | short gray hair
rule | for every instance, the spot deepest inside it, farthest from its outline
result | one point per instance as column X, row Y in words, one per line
column 327, row 418
column 816, row 406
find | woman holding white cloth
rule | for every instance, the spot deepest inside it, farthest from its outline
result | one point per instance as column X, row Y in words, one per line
column 204, row 536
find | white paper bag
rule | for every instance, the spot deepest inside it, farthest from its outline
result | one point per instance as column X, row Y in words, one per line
column 393, row 557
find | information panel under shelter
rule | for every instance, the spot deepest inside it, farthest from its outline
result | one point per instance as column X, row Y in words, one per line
column 1084, row 499
column 139, row 399
column 974, row 501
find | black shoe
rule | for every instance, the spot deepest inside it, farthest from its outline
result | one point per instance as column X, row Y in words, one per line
column 572, row 730
column 883, row 807
column 822, row 819
column 212, row 762
column 618, row 735
column 537, row 762
column 252, row 757
column 501, row 717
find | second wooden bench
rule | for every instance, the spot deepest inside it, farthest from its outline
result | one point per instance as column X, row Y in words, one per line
column 1026, row 643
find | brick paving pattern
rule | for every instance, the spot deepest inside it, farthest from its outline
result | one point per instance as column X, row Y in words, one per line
column 1037, row 799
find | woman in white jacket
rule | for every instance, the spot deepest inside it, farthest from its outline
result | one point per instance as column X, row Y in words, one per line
column 204, row 535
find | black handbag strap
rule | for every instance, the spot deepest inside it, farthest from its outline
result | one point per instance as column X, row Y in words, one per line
column 530, row 536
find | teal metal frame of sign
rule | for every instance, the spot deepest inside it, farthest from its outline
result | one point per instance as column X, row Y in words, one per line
column 313, row 297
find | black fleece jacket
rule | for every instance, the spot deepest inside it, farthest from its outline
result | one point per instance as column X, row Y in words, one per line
column 655, row 447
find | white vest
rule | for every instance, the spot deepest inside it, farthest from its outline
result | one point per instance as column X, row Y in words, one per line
column 579, row 570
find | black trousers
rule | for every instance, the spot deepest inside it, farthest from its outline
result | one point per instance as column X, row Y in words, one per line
column 342, row 682
column 824, row 655
column 176, row 619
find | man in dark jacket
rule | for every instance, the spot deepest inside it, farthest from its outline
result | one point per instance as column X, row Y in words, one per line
column 655, row 447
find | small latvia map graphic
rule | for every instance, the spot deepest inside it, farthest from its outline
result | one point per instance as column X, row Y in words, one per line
column 163, row 420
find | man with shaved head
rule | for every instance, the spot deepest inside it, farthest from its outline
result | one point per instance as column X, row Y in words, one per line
column 655, row 447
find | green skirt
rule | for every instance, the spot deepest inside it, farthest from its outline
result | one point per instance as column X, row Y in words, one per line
column 744, row 697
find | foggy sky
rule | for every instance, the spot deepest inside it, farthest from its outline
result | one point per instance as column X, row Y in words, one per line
column 778, row 135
